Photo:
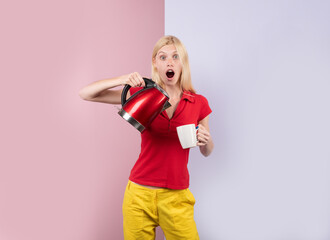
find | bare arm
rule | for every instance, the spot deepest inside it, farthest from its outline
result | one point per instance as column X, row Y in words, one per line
column 99, row 91
column 205, row 141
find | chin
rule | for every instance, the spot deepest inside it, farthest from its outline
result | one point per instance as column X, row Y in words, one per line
column 171, row 82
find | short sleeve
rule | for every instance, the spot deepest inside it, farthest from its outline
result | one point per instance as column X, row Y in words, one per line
column 205, row 109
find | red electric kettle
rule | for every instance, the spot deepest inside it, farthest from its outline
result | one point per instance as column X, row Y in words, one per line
column 143, row 106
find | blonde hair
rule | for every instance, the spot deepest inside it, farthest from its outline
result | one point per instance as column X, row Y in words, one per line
column 185, row 78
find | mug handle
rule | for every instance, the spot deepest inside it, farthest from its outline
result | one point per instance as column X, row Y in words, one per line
column 196, row 134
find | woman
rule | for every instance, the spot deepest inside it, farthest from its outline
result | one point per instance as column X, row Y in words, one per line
column 157, row 192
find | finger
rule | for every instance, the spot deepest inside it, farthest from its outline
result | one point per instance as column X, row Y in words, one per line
column 136, row 79
column 131, row 80
column 201, row 126
column 204, row 133
column 203, row 140
column 140, row 79
column 202, row 129
column 203, row 137
column 201, row 144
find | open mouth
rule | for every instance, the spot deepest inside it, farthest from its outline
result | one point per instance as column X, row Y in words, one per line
column 170, row 73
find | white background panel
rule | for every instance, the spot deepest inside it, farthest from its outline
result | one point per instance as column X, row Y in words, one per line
column 265, row 68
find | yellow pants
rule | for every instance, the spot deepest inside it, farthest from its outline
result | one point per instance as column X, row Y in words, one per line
column 144, row 209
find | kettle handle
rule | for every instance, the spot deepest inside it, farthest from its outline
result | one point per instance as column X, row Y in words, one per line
column 148, row 83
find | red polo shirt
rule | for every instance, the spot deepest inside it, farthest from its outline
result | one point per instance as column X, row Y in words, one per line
column 162, row 161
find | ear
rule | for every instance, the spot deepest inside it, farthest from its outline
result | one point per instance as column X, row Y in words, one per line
column 153, row 61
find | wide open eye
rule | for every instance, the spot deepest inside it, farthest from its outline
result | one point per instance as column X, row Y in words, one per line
column 176, row 56
column 162, row 57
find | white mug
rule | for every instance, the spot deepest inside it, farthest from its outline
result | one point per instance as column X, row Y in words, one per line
column 187, row 135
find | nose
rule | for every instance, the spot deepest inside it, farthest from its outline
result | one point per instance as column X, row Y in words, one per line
column 169, row 62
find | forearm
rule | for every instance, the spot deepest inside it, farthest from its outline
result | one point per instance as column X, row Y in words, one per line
column 94, row 89
column 207, row 148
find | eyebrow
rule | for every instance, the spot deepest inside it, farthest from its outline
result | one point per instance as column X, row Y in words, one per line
column 165, row 52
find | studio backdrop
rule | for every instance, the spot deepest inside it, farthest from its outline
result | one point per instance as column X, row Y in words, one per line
column 264, row 67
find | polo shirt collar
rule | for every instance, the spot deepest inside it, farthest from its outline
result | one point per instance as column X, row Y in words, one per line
column 188, row 96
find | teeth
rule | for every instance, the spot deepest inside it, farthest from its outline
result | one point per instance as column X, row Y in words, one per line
column 170, row 71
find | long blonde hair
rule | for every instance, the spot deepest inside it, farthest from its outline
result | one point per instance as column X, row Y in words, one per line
column 185, row 78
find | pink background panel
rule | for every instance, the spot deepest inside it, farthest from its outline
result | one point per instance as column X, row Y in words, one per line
column 65, row 162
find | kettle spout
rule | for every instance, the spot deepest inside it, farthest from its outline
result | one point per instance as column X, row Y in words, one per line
column 166, row 105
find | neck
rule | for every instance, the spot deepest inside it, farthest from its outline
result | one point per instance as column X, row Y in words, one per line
column 174, row 91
